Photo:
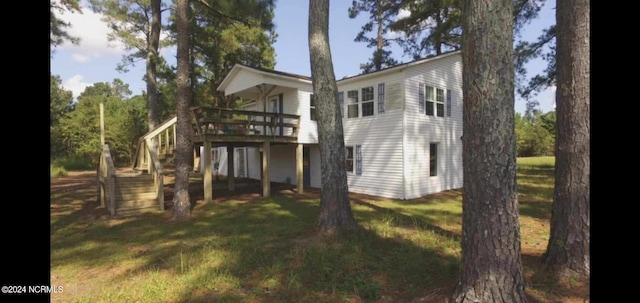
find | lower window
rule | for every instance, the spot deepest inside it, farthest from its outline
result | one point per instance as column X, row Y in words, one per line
column 433, row 159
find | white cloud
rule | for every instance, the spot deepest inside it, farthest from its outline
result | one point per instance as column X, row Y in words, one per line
column 403, row 13
column 92, row 32
column 80, row 58
column 75, row 85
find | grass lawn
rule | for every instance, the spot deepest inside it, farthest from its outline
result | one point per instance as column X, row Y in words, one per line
column 249, row 249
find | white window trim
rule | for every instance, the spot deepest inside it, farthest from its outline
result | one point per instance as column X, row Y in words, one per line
column 359, row 89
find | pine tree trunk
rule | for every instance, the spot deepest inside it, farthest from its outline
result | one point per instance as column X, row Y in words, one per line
column 151, row 69
column 491, row 261
column 335, row 210
column 181, row 201
column 568, row 249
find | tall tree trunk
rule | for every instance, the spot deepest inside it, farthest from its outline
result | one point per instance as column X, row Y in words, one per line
column 151, row 69
column 378, row 54
column 181, row 201
column 491, row 262
column 568, row 248
column 335, row 210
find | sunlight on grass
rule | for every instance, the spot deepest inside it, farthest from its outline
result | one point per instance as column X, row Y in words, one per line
column 265, row 250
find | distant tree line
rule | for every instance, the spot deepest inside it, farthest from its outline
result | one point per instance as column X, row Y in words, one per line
column 535, row 133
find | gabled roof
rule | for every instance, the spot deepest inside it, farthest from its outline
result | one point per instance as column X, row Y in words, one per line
column 270, row 72
column 398, row 67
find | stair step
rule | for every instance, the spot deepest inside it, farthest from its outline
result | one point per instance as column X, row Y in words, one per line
column 134, row 211
column 125, row 197
column 136, row 203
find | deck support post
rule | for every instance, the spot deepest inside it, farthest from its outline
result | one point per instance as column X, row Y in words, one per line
column 299, row 169
column 230, row 168
column 208, row 172
column 266, row 183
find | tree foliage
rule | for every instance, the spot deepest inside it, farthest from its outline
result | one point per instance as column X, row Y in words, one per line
column 222, row 34
column 381, row 15
column 58, row 28
column 535, row 134
column 432, row 27
column 78, row 132
column 61, row 103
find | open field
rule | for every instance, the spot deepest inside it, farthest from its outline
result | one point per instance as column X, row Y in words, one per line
column 243, row 248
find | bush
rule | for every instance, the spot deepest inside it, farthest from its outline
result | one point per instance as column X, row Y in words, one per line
column 57, row 171
column 74, row 163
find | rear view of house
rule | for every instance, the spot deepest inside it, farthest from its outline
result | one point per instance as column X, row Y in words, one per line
column 402, row 127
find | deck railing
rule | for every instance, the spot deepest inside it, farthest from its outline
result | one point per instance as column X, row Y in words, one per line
column 218, row 122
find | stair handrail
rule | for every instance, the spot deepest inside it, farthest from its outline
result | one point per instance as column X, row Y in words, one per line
column 155, row 169
column 107, row 178
column 135, row 161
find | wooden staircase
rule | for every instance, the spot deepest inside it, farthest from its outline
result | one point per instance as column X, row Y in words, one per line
column 135, row 193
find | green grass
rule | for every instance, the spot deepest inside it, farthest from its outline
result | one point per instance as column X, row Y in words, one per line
column 56, row 171
column 265, row 250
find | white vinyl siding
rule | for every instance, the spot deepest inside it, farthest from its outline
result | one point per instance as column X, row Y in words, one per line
column 377, row 170
column 422, row 129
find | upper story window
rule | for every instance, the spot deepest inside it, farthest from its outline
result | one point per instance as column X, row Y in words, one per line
column 352, row 104
column 367, row 101
column 434, row 98
column 360, row 103
column 312, row 108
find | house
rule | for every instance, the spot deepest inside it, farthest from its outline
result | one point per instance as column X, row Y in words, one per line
column 402, row 127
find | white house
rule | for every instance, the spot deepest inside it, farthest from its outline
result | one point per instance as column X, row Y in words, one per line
column 402, row 127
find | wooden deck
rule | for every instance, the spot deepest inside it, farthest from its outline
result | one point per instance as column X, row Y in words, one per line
column 220, row 125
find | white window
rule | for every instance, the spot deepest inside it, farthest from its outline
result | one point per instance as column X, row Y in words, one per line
column 349, row 158
column 352, row 104
column 367, row 101
column 360, row 103
column 434, row 98
column 312, row 108
column 433, row 159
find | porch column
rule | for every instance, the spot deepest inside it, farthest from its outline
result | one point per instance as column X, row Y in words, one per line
column 299, row 169
column 266, row 183
column 208, row 172
column 230, row 168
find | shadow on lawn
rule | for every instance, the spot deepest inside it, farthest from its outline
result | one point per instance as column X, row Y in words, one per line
column 244, row 248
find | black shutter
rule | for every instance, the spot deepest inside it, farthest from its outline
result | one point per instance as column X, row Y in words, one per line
column 358, row 160
column 448, row 103
column 381, row 98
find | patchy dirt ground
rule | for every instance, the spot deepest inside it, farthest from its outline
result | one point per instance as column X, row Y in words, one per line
column 247, row 190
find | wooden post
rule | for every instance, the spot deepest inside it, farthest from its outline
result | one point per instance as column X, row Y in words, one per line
column 166, row 141
column 101, row 123
column 266, row 183
column 196, row 160
column 299, row 169
column 230, row 168
column 208, row 172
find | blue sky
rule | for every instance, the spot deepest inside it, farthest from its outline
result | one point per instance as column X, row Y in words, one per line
column 95, row 60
